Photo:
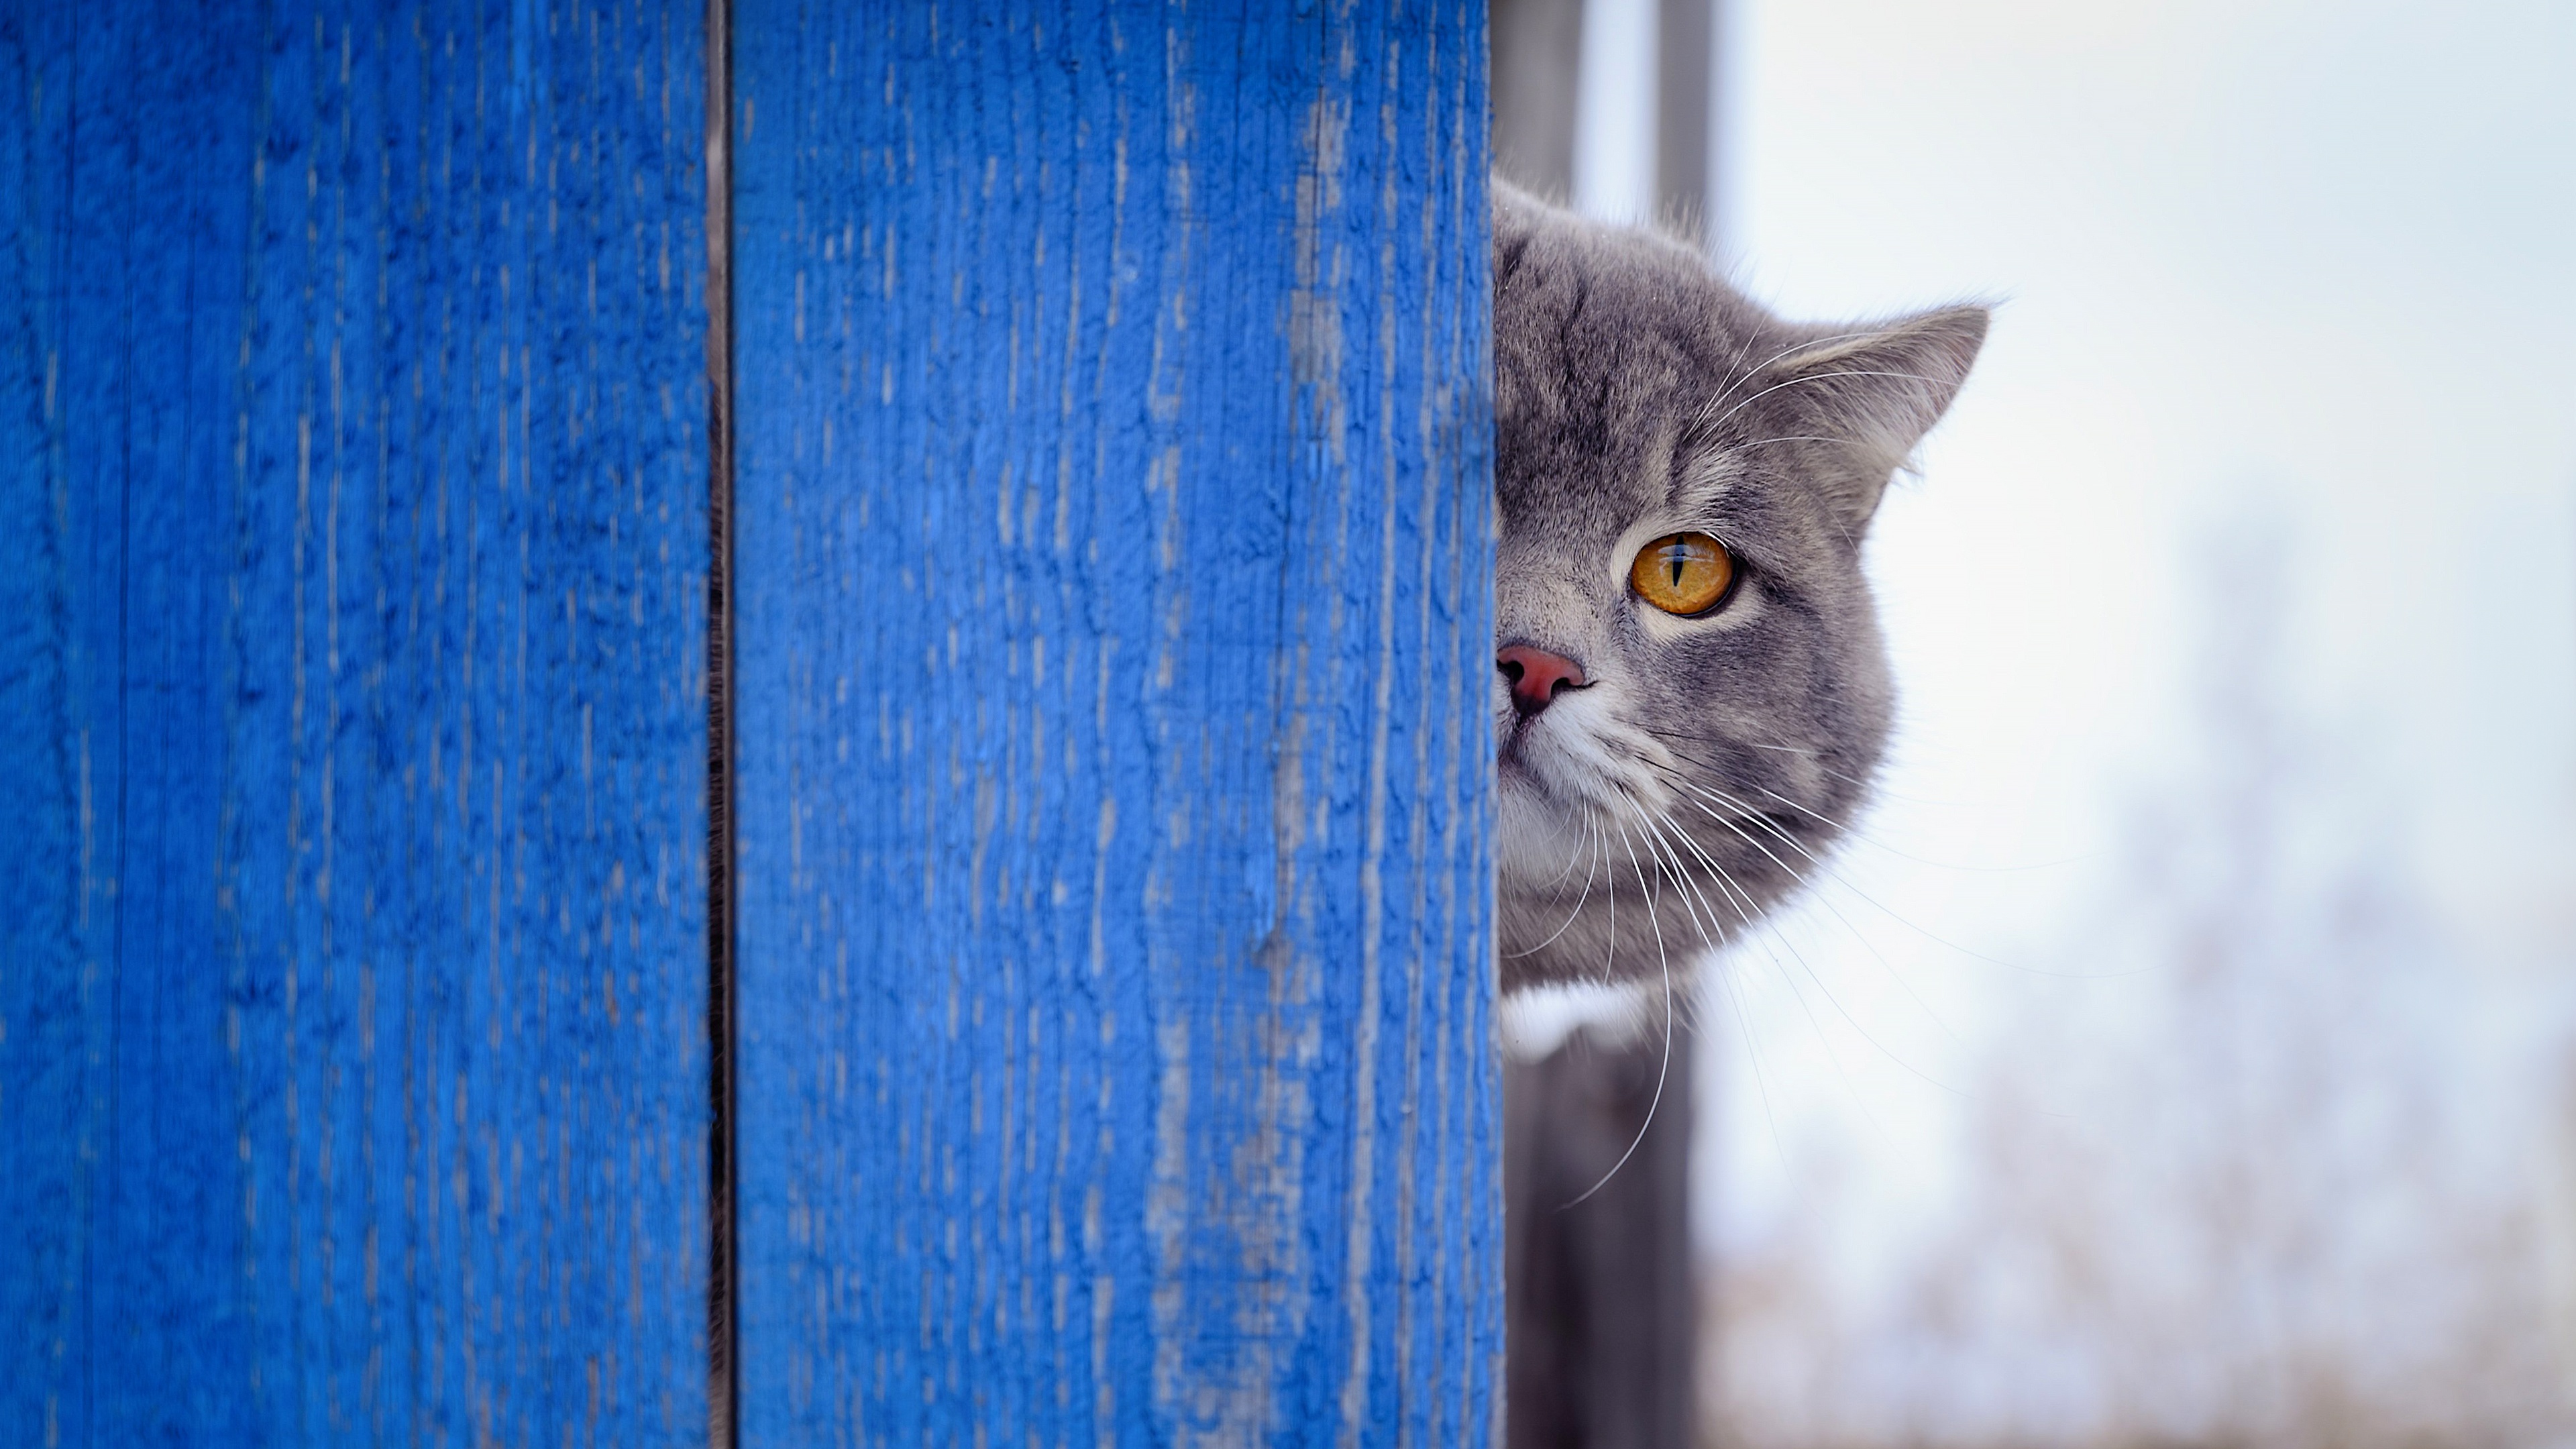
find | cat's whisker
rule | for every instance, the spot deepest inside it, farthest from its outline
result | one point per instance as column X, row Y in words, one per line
column 1758, row 818
column 1839, row 1009
column 1736, row 380
column 1813, row 757
column 1797, row 438
column 1668, row 865
column 1876, row 787
column 1610, row 954
column 1658, row 822
column 1817, row 815
column 1765, row 818
column 1815, row 377
column 1741, row 902
column 1663, row 1068
column 1772, row 943
column 1822, row 900
column 1736, row 375
column 1744, row 910
column 1574, row 914
column 1726, row 883
column 1857, row 834
column 1744, row 1028
column 1843, row 879
column 1749, row 839
column 1816, row 862
column 1807, row 810
column 1842, row 1070
column 1817, row 758
column 1734, row 990
column 1694, row 900
column 1579, row 851
column 1758, row 745
column 1721, row 873
column 1810, row 753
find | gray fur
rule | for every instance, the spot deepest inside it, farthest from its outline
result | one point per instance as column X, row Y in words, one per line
column 1638, row 395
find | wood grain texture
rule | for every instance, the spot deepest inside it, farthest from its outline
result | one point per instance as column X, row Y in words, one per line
column 1116, row 550
column 352, row 561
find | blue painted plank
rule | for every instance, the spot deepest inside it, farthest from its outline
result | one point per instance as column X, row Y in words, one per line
column 352, row 558
column 1115, row 641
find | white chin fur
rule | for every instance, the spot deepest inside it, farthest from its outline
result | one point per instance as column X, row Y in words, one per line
column 1560, row 789
column 1537, row 1021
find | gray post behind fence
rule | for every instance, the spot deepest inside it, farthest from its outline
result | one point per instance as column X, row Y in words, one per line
column 1604, row 1323
column 1115, row 554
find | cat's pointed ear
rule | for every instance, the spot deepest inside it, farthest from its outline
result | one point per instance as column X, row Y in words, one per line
column 1869, row 395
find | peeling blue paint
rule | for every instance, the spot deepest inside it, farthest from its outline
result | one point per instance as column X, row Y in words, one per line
column 352, row 739
column 1118, row 1046
column 1114, row 555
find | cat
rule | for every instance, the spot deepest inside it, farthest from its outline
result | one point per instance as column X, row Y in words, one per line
column 1690, row 692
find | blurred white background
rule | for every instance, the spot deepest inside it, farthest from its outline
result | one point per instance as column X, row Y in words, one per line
column 2188, row 1050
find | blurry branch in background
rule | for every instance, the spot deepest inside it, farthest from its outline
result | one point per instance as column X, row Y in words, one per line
column 2262, row 1206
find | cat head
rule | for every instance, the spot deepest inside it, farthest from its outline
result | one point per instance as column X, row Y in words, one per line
column 1690, row 691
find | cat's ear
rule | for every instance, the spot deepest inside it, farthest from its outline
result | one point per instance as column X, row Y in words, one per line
column 1869, row 395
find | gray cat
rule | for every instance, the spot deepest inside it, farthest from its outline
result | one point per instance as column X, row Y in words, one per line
column 1690, row 691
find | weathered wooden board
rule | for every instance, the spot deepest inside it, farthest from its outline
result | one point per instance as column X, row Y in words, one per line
column 1115, row 627
column 352, row 569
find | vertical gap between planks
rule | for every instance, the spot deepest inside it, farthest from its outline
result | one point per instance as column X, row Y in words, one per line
column 724, row 1371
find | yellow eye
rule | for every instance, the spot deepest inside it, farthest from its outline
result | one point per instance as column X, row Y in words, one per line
column 1682, row 573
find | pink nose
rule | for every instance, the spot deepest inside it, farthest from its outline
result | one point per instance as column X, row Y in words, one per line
column 1536, row 676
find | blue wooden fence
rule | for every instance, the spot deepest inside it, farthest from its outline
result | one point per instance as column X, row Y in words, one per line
column 351, row 1041
column 1112, row 546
